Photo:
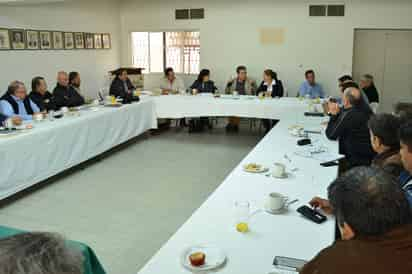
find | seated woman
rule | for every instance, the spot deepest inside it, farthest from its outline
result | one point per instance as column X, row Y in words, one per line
column 203, row 84
column 271, row 86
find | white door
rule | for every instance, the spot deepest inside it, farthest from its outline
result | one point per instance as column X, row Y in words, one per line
column 387, row 55
column 398, row 69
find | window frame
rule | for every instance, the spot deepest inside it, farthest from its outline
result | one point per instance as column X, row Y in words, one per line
column 148, row 70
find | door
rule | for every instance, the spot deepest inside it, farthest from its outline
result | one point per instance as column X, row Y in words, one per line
column 387, row 55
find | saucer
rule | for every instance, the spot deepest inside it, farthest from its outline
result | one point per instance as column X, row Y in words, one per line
column 284, row 176
column 275, row 212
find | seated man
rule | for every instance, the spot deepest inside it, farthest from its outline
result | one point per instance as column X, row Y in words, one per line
column 310, row 88
column 123, row 88
column 16, row 102
column 243, row 85
column 74, row 81
column 35, row 253
column 64, row 95
column 406, row 155
column 350, row 127
column 170, row 83
column 40, row 95
column 374, row 220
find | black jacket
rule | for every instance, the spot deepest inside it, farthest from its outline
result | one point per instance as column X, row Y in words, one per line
column 67, row 97
column 204, row 87
column 350, row 127
column 117, row 88
column 277, row 90
column 372, row 94
column 15, row 106
column 44, row 102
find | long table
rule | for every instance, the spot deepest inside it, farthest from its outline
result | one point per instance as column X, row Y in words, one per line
column 286, row 234
column 54, row 146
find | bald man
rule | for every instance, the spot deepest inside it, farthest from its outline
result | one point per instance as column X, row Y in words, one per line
column 65, row 95
column 349, row 126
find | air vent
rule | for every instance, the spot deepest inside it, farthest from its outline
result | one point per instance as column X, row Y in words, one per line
column 317, row 10
column 336, row 10
column 197, row 13
column 182, row 14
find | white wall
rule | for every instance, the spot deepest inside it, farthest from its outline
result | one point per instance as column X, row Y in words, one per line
column 80, row 16
column 230, row 34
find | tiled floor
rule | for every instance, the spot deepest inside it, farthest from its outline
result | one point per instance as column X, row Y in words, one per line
column 127, row 205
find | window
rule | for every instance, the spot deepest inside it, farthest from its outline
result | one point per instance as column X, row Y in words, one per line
column 155, row 51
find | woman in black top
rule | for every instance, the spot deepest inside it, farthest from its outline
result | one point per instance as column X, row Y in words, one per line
column 203, row 84
column 271, row 86
column 368, row 86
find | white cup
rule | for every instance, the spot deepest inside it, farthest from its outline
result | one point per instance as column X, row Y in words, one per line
column 9, row 123
column 38, row 117
column 276, row 201
column 297, row 131
column 95, row 102
column 64, row 109
column 279, row 170
column 235, row 93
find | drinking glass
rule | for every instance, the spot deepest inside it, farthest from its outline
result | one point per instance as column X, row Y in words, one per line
column 242, row 212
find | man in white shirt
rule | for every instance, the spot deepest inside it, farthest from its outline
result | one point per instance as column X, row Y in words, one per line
column 170, row 83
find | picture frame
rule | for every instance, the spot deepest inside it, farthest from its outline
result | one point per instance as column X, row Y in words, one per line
column 5, row 39
column 17, row 39
column 68, row 40
column 89, row 40
column 32, row 37
column 98, row 41
column 45, row 40
column 58, row 40
column 79, row 40
column 106, row 41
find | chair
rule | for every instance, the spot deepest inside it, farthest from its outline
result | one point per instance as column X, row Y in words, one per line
column 374, row 106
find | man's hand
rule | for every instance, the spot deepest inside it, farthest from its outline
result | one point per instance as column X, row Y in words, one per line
column 166, row 91
column 16, row 120
column 322, row 204
column 333, row 108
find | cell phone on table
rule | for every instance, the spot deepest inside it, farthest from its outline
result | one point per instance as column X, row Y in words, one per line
column 288, row 263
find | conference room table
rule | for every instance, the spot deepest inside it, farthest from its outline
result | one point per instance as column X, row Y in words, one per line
column 287, row 234
column 31, row 156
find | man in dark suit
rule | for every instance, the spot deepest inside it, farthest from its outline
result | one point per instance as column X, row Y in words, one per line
column 40, row 95
column 64, row 95
column 122, row 87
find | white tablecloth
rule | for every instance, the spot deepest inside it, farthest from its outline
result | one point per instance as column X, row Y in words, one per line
column 177, row 106
column 271, row 235
column 52, row 147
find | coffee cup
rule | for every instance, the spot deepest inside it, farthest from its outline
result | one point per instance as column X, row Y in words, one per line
column 235, row 93
column 8, row 123
column 38, row 117
column 279, row 170
column 64, row 109
column 276, row 201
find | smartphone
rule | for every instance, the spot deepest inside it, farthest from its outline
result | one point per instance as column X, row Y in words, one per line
column 289, row 263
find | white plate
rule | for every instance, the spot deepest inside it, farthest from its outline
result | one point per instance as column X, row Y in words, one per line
column 215, row 257
column 261, row 170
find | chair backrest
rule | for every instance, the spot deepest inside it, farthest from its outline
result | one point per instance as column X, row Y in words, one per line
column 374, row 106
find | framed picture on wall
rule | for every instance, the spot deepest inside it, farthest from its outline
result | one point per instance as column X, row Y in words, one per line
column 89, row 40
column 97, row 41
column 32, row 37
column 58, row 41
column 68, row 40
column 78, row 40
column 45, row 39
column 107, row 44
column 4, row 39
column 18, row 39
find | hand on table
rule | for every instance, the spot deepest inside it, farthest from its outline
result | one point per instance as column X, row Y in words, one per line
column 323, row 204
